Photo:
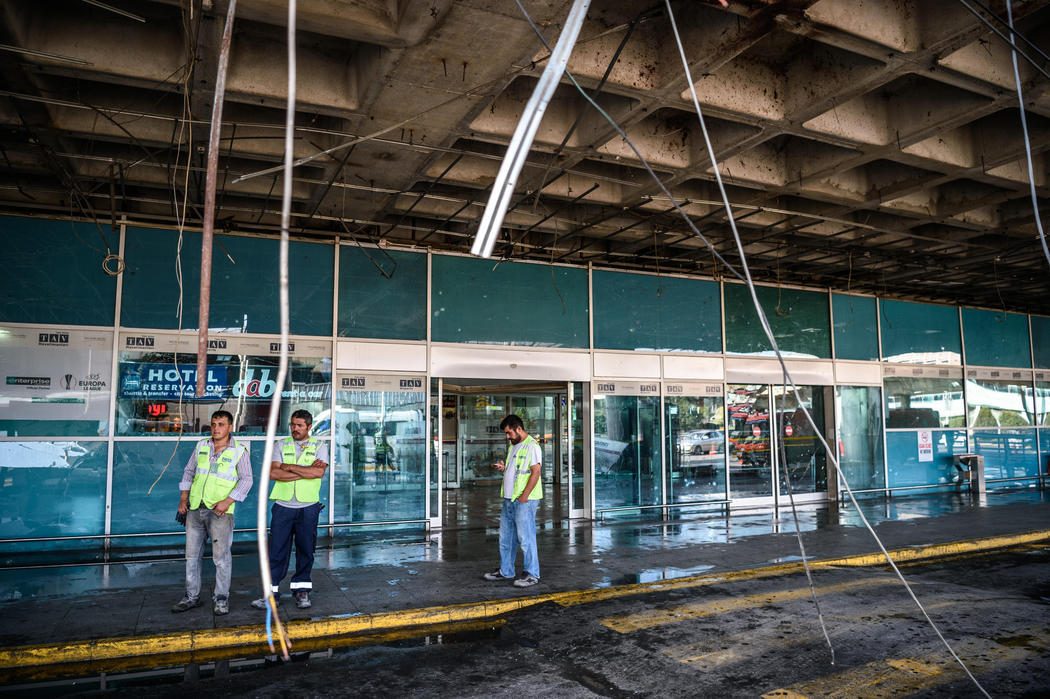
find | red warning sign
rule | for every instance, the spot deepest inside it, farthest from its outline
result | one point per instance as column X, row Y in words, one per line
column 789, row 430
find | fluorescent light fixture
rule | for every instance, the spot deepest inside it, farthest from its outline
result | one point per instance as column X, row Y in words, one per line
column 521, row 142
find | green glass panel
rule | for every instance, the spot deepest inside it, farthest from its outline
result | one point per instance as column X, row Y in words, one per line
column 648, row 312
column 924, row 403
column 373, row 306
column 856, row 327
column 904, row 464
column 52, row 489
column 920, row 332
column 514, row 304
column 53, row 272
column 244, row 293
column 861, row 456
column 1041, row 341
column 799, row 319
column 996, row 339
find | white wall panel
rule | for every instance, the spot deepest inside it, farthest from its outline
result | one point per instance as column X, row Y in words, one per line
column 858, row 374
column 635, row 364
column 380, row 356
column 493, row 363
column 763, row 370
column 709, row 368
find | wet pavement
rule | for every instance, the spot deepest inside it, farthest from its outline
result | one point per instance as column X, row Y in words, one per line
column 64, row 604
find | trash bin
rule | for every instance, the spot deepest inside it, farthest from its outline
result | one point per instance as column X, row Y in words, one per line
column 971, row 466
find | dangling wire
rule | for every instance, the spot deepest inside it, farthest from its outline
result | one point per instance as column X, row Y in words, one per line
column 1024, row 132
column 282, row 369
column 780, row 357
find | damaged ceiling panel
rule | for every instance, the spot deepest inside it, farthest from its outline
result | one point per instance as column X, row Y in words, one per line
column 873, row 147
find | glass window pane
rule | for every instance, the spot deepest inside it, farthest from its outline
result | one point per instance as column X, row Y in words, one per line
column 374, row 306
column 136, row 466
column 245, row 289
column 696, row 448
column 52, row 489
column 435, row 449
column 1041, row 341
column 999, row 403
column 578, row 462
column 649, row 312
column 799, row 319
column 58, row 382
column 151, row 383
column 53, row 272
column 626, row 451
column 923, row 403
column 856, row 328
column 905, row 467
column 750, row 466
column 861, row 456
column 516, row 303
column 1042, row 403
column 380, row 467
column 996, row 339
column 804, row 455
column 1008, row 453
column 922, row 333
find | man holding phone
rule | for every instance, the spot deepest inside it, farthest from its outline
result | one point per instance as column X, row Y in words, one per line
column 521, row 491
column 217, row 476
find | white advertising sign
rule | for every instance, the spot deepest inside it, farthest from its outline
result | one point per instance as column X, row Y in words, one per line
column 51, row 374
column 925, row 445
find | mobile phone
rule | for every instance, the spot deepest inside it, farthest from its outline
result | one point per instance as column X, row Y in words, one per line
column 180, row 518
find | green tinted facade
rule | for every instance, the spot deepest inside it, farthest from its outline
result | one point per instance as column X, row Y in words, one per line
column 799, row 319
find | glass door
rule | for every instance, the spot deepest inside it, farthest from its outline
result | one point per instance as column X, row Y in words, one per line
column 578, row 404
column 380, row 475
column 627, row 460
column 803, row 459
column 751, row 466
column 694, row 429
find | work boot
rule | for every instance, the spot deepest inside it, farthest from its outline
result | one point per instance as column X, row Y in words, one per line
column 261, row 602
column 221, row 606
column 185, row 604
column 302, row 599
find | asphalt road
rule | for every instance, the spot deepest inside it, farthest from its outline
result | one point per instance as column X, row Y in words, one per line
column 750, row 638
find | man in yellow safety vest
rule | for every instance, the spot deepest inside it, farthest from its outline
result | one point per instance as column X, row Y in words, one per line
column 217, row 476
column 297, row 466
column 521, row 491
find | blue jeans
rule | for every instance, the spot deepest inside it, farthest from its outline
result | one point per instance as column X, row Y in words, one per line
column 286, row 524
column 517, row 526
column 201, row 524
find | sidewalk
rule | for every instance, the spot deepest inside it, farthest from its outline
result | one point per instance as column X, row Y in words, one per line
column 80, row 603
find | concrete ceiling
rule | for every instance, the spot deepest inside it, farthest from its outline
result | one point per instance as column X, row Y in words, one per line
column 866, row 146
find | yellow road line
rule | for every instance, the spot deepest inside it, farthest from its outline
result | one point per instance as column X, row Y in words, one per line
column 627, row 623
column 207, row 639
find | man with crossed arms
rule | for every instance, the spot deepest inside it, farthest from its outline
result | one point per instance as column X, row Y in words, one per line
column 297, row 468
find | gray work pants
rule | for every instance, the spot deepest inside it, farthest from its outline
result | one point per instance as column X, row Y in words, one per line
column 202, row 524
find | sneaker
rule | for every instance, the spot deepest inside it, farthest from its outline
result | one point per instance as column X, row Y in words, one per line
column 526, row 580
column 302, row 599
column 495, row 576
column 186, row 603
column 221, row 606
column 261, row 603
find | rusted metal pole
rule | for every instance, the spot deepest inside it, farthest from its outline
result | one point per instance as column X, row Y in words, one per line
column 209, row 202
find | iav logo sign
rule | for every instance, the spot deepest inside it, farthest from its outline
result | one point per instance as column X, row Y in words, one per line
column 216, row 344
column 139, row 341
column 411, row 383
column 275, row 347
column 53, row 339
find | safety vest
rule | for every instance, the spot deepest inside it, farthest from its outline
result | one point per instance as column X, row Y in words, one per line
column 304, row 489
column 215, row 482
column 522, row 471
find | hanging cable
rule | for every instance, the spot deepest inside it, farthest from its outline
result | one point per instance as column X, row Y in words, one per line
column 634, row 149
column 780, row 357
column 282, row 369
column 1024, row 132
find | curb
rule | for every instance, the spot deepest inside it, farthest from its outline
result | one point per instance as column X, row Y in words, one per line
column 193, row 642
